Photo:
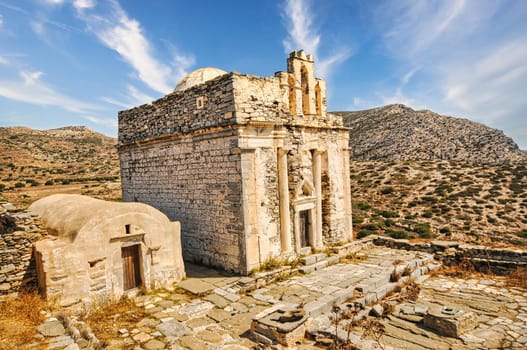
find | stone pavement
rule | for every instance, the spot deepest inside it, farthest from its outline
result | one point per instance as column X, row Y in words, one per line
column 217, row 316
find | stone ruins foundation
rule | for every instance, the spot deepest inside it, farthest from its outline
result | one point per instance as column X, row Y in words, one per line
column 252, row 167
column 99, row 249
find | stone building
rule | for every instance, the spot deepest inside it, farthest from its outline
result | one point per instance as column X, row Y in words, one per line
column 97, row 249
column 252, row 167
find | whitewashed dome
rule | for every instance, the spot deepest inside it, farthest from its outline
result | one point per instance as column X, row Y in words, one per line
column 199, row 76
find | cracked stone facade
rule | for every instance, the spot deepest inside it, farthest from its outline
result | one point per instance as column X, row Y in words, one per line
column 252, row 167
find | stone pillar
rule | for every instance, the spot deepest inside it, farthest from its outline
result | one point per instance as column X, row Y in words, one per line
column 317, row 182
column 347, row 192
column 250, row 211
column 285, row 217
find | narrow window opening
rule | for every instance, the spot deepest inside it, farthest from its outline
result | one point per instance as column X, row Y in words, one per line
column 305, row 90
column 127, row 229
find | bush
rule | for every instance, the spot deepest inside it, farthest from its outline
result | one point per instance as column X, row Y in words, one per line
column 362, row 205
column 358, row 219
column 364, row 233
column 427, row 214
column 2, row 187
column 398, row 234
column 388, row 214
column 389, row 222
column 49, row 182
column 387, row 190
column 20, row 184
column 423, row 230
column 371, row 227
column 33, row 182
column 446, row 231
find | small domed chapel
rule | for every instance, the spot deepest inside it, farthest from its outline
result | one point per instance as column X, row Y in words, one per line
column 252, row 167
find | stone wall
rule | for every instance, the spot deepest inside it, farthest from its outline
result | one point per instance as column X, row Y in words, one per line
column 201, row 106
column 194, row 179
column 485, row 259
column 17, row 265
column 259, row 99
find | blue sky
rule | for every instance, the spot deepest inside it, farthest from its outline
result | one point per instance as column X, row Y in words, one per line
column 78, row 62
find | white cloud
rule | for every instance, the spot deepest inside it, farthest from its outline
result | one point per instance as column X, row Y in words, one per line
column 4, row 60
column 300, row 27
column 30, row 89
column 83, row 4
column 399, row 97
column 409, row 75
column 1, row 21
column 471, row 55
column 30, row 78
column 108, row 122
column 126, row 36
column 303, row 35
column 54, row 2
column 132, row 98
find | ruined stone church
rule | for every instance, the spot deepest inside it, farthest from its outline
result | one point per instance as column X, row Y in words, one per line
column 252, row 167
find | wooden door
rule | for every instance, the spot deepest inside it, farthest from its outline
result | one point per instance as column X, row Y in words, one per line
column 131, row 267
column 304, row 228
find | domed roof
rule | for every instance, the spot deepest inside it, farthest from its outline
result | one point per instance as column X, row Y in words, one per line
column 199, row 76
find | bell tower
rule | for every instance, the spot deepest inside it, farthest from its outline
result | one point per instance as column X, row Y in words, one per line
column 307, row 95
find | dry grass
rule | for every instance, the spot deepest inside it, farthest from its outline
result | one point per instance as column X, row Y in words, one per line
column 106, row 319
column 18, row 319
column 517, row 278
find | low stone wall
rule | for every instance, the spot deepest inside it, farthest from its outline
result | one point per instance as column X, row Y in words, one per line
column 17, row 265
column 485, row 259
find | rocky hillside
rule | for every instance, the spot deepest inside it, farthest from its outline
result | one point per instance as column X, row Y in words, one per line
column 36, row 160
column 397, row 132
column 482, row 204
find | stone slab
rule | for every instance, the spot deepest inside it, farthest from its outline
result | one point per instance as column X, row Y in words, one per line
column 51, row 328
column 196, row 286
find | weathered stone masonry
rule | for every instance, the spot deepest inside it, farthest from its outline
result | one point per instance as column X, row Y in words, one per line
column 17, row 266
column 252, row 167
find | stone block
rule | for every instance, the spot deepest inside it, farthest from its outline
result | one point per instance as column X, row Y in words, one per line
column 332, row 260
column 283, row 327
column 450, row 322
column 377, row 310
column 308, row 260
column 344, row 294
column 196, row 286
column 317, row 307
column 51, row 328
column 306, row 269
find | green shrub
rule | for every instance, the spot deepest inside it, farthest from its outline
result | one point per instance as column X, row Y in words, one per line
column 389, row 222
column 388, row 214
column 32, row 182
column 427, row 214
column 387, row 190
column 20, row 184
column 364, row 233
column 362, row 205
column 2, row 187
column 358, row 219
column 371, row 227
column 398, row 234
column 423, row 230
column 49, row 182
column 446, row 231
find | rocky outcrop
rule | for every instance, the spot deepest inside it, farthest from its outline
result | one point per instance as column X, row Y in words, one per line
column 397, row 132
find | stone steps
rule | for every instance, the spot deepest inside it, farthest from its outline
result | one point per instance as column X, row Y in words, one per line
column 371, row 289
column 316, row 262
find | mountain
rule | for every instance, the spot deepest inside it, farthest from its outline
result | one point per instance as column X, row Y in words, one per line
column 397, row 132
column 43, row 160
column 470, row 202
